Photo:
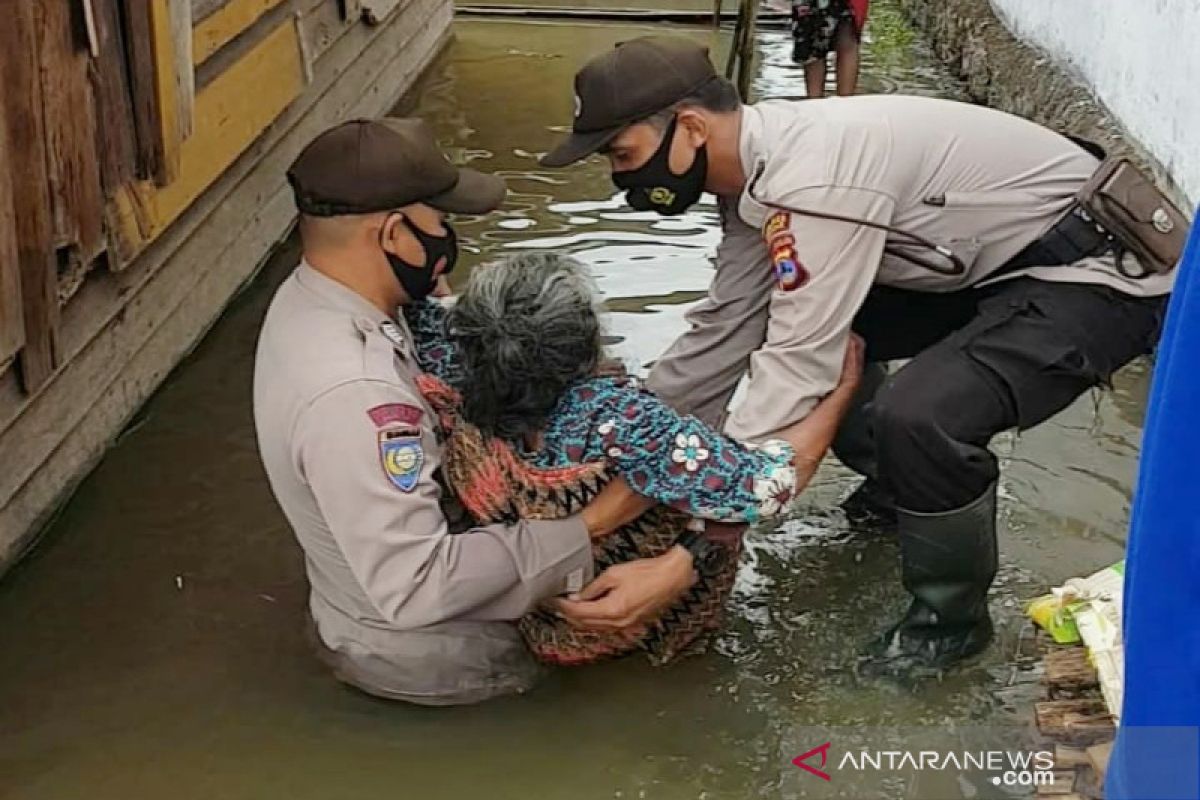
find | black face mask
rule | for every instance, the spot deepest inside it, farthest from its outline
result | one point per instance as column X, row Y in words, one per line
column 653, row 187
column 418, row 280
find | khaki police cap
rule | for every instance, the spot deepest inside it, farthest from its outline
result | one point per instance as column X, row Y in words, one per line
column 635, row 80
column 364, row 166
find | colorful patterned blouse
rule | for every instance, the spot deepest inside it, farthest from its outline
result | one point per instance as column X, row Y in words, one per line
column 676, row 460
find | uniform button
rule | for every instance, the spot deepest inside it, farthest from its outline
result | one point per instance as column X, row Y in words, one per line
column 364, row 325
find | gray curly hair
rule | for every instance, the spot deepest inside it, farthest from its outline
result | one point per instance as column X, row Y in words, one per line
column 527, row 326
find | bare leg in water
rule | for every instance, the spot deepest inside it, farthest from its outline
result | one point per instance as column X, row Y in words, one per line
column 846, row 47
column 814, row 77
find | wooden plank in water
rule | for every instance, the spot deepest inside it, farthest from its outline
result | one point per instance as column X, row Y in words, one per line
column 1068, row 669
column 1081, row 721
column 25, row 128
column 1063, row 784
column 1067, row 757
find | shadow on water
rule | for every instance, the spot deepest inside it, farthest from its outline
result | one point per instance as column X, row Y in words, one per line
column 152, row 647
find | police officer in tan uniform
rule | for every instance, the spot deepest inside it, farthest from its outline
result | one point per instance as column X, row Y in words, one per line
column 404, row 607
column 942, row 232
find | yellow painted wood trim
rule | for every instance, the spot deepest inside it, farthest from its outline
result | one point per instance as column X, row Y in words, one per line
column 230, row 113
column 165, row 88
column 222, row 26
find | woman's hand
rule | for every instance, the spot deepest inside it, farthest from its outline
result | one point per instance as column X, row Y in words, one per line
column 628, row 595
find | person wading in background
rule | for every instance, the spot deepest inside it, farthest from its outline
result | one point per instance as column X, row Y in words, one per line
column 822, row 26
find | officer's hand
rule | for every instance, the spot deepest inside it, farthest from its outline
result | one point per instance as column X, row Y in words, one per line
column 627, row 596
column 616, row 505
column 852, row 363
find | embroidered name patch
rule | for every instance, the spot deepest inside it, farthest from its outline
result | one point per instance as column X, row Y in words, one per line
column 395, row 414
column 401, row 455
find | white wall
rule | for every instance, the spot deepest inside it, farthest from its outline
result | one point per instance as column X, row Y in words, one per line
column 1141, row 57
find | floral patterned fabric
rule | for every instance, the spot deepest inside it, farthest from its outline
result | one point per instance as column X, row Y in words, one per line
column 673, row 459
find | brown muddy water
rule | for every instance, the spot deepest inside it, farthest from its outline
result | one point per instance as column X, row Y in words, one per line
column 152, row 646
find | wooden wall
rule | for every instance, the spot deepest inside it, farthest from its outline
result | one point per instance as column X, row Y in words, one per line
column 143, row 145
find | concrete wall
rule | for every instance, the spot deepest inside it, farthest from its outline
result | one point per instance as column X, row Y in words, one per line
column 1141, row 57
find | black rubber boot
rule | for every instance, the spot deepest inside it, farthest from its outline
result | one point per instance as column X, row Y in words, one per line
column 948, row 561
column 868, row 505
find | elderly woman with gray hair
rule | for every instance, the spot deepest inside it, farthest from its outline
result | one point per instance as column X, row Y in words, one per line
column 537, row 420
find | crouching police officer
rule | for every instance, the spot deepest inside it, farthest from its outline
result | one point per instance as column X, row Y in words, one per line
column 403, row 607
column 942, row 232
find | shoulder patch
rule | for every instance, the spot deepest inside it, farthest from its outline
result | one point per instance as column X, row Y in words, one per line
column 401, row 455
column 790, row 274
column 777, row 224
column 395, row 414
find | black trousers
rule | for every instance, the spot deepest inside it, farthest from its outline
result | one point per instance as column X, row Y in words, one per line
column 983, row 361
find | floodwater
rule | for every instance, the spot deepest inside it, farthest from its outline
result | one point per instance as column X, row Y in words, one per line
column 152, row 646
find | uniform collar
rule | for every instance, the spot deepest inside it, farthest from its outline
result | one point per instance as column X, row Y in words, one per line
column 753, row 151
column 338, row 295
column 750, row 141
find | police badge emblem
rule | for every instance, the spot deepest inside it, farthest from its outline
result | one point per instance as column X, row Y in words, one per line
column 401, row 454
column 789, row 272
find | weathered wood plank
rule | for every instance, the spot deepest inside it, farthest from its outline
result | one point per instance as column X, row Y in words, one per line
column 139, row 52
column 12, row 317
column 70, row 128
column 1067, row 757
column 1080, row 721
column 223, row 26
column 1068, row 669
column 89, row 19
column 203, row 9
column 1063, row 784
column 25, row 124
column 180, row 12
column 109, row 74
column 377, row 12
column 320, row 26
column 167, row 130
column 114, row 372
column 228, row 119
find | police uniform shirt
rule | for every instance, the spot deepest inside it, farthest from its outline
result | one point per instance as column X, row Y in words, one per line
column 405, row 608
column 981, row 182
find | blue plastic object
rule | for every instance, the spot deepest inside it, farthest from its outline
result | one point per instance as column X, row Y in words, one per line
column 1157, row 755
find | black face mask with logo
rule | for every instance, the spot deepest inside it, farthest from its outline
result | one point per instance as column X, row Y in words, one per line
column 653, row 187
column 418, row 280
